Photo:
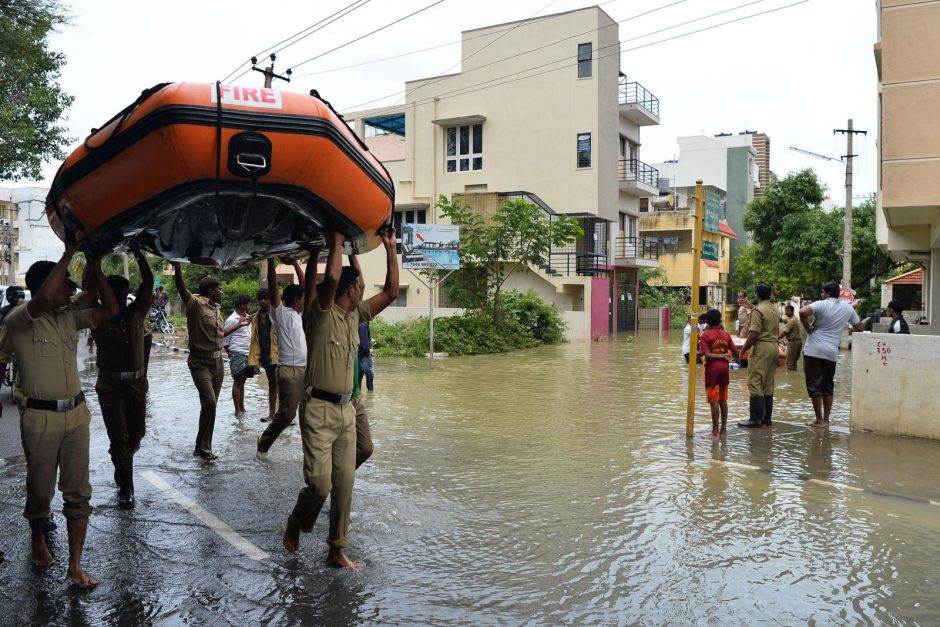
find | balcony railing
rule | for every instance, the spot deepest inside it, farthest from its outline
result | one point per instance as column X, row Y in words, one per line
column 634, row 93
column 637, row 248
column 636, row 170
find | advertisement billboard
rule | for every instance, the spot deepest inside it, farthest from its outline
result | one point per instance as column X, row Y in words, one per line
column 430, row 246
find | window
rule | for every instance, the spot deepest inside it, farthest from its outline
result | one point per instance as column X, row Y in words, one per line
column 584, row 150
column 584, row 60
column 402, row 300
column 463, row 148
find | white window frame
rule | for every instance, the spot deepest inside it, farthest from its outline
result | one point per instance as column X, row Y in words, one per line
column 473, row 130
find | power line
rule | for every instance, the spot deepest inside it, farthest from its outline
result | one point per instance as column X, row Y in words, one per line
column 401, row 19
column 300, row 32
column 616, row 45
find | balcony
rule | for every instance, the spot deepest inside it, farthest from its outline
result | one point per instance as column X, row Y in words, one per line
column 638, row 178
column 636, row 251
column 638, row 105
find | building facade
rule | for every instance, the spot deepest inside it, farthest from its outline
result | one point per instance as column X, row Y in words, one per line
column 540, row 111
column 32, row 237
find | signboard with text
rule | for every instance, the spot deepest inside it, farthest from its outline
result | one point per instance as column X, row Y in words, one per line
column 710, row 251
column 712, row 211
column 430, row 246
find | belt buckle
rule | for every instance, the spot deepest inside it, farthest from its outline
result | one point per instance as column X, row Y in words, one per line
column 127, row 376
column 345, row 398
column 65, row 405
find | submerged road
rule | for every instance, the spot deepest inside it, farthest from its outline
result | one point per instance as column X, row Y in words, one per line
column 546, row 487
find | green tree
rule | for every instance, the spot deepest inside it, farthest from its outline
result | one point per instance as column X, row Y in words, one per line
column 798, row 192
column 655, row 292
column 517, row 235
column 31, row 99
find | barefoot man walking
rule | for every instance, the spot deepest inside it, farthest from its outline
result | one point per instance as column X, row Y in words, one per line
column 328, row 426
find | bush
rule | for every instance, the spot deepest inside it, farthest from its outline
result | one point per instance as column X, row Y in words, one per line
column 527, row 322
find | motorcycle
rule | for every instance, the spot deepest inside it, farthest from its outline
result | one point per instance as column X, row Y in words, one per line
column 159, row 322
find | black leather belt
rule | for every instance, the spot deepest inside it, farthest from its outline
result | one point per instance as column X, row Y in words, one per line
column 339, row 399
column 64, row 405
column 206, row 354
column 121, row 376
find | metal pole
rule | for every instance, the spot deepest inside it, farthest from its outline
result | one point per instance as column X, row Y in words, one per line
column 697, row 239
column 433, row 289
column 847, row 231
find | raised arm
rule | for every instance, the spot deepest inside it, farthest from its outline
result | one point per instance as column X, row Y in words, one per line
column 326, row 291
column 145, row 292
column 46, row 298
column 354, row 262
column 184, row 293
column 390, row 290
column 109, row 305
column 310, row 279
column 272, row 284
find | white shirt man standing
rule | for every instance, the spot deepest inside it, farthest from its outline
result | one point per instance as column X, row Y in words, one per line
column 238, row 342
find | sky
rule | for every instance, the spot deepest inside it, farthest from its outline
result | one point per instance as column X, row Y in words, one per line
column 795, row 74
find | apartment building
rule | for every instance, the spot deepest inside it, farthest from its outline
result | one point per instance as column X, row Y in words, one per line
column 540, row 111
column 908, row 216
column 727, row 161
column 32, row 235
column 668, row 222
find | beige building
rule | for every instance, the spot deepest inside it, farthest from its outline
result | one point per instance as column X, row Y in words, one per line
column 541, row 111
column 9, row 242
column 908, row 62
column 669, row 221
column 895, row 377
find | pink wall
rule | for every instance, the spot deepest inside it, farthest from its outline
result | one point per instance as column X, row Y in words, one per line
column 600, row 297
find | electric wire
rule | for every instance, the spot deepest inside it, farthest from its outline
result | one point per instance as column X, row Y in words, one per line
column 401, row 19
column 301, row 32
column 616, row 45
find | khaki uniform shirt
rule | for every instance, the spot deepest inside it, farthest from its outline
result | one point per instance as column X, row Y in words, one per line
column 333, row 346
column 765, row 320
column 204, row 321
column 120, row 341
column 791, row 330
column 45, row 349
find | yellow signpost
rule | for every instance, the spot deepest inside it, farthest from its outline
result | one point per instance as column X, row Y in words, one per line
column 697, row 239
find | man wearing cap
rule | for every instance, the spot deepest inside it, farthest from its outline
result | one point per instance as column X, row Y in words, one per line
column 206, row 332
column 328, row 426
column 122, row 376
column 54, row 419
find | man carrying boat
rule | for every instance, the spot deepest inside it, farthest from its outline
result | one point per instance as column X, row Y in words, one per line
column 122, row 376
column 54, row 420
column 328, row 426
column 206, row 332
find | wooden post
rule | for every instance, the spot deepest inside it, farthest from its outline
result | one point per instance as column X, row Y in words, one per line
column 697, row 239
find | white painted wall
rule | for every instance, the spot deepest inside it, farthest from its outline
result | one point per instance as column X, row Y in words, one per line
column 37, row 242
column 895, row 379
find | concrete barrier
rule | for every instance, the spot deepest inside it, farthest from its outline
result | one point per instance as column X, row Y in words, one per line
column 895, row 380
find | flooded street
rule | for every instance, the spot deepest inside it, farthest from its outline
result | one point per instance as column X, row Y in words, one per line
column 552, row 486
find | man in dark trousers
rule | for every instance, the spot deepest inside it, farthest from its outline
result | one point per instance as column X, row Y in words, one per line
column 122, row 376
column 54, row 420
column 328, row 426
column 204, row 325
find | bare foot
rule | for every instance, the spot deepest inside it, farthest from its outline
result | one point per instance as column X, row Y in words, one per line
column 77, row 576
column 338, row 559
column 710, row 436
column 41, row 555
column 817, row 425
column 291, row 540
column 723, row 433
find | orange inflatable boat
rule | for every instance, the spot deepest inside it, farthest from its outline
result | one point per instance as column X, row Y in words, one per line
column 221, row 174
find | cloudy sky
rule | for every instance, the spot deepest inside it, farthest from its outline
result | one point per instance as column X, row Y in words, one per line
column 795, row 73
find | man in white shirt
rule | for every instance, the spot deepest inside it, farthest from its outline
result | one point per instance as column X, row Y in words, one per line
column 687, row 336
column 286, row 313
column 821, row 351
column 238, row 342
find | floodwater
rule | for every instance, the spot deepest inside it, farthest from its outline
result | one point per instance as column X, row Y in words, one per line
column 546, row 487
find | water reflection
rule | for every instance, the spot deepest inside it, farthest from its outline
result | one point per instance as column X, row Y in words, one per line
column 552, row 486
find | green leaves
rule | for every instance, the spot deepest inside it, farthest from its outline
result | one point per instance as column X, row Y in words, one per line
column 31, row 100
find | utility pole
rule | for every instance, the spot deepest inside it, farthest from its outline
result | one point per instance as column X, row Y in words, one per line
column 847, row 228
column 269, row 77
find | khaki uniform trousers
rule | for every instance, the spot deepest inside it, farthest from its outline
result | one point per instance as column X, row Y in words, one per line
column 761, row 367
column 124, row 409
column 794, row 350
column 364, row 446
column 207, row 374
column 290, row 395
column 56, row 442
column 328, row 432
